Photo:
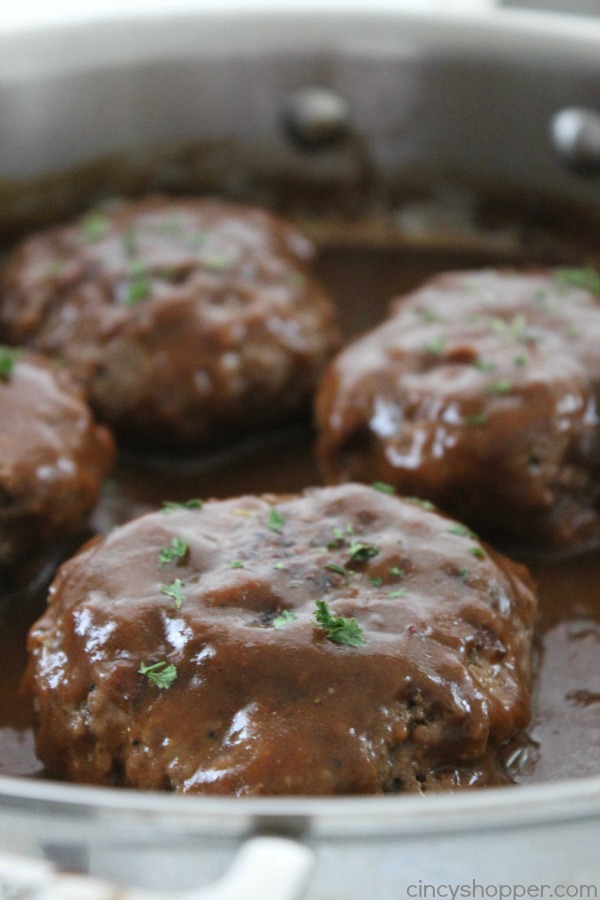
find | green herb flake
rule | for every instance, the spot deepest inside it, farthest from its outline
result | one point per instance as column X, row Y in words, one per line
column 461, row 530
column 397, row 572
column 196, row 240
column 296, row 279
column 55, row 269
column 376, row 581
column 235, row 564
column 337, row 628
column 175, row 591
column 172, row 226
column 520, row 360
column 435, row 347
column 360, row 552
column 94, row 227
column 383, row 488
column 130, row 248
column 285, row 617
column 427, row 315
column 464, row 574
column 478, row 552
column 484, row 365
column 217, row 263
column 498, row 325
column 515, row 330
column 160, row 674
column 8, row 358
column 138, row 287
column 503, row 386
column 340, row 536
column 276, row 520
column 582, row 278
column 339, row 570
column 401, row 592
column 424, row 504
column 173, row 505
column 475, row 419
column 279, row 566
column 178, row 549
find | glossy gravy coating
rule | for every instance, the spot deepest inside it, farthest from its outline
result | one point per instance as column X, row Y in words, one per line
column 564, row 737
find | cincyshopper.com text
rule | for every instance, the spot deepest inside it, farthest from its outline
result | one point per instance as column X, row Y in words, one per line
column 475, row 891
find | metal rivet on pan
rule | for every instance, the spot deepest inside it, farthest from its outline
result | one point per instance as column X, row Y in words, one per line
column 315, row 117
column 575, row 135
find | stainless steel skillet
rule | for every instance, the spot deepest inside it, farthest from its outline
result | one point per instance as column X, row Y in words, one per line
column 422, row 113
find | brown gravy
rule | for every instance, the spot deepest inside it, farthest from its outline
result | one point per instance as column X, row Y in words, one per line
column 565, row 731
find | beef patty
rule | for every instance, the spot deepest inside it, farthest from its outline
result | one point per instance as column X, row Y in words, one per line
column 53, row 458
column 340, row 641
column 479, row 392
column 187, row 321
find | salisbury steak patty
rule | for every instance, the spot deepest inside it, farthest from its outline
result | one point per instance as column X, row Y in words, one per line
column 188, row 321
column 52, row 461
column 340, row 641
column 480, row 392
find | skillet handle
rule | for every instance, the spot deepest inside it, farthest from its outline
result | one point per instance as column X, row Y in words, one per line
column 271, row 868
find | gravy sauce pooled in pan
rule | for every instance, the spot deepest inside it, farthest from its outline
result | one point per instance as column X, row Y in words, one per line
column 567, row 685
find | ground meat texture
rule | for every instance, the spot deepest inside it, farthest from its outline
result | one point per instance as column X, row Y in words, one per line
column 480, row 393
column 256, row 697
column 188, row 321
column 53, row 458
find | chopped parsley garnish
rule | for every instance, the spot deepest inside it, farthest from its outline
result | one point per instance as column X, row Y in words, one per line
column 285, row 617
column 217, row 263
column 435, row 347
column 279, row 565
column 376, row 582
column 397, row 571
column 583, row 278
column 172, row 505
column 130, row 243
column 503, row 386
column 175, row 591
column 55, row 268
column 464, row 574
column 383, row 487
column 94, row 227
column 8, row 358
column 296, row 279
column 401, row 592
column 337, row 628
column 360, row 552
column 478, row 552
column 340, row 536
column 276, row 520
column 424, row 504
column 520, row 360
column 427, row 315
column 339, row 570
column 171, row 225
column 195, row 240
column 178, row 549
column 515, row 330
column 138, row 287
column 160, row 674
column 484, row 365
column 235, row 564
column 460, row 530
column 478, row 418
